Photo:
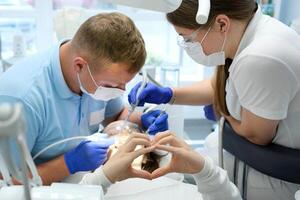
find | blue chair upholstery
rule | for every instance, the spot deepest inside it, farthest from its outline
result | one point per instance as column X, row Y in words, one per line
column 273, row 160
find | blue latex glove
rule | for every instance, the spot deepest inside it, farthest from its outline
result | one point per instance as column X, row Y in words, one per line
column 87, row 156
column 154, row 122
column 209, row 112
column 151, row 94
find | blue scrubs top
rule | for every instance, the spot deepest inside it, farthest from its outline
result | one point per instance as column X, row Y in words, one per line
column 52, row 111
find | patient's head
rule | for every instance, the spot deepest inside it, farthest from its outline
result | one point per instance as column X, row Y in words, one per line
column 121, row 131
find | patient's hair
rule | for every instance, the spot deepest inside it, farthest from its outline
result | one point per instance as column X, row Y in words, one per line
column 151, row 162
column 112, row 37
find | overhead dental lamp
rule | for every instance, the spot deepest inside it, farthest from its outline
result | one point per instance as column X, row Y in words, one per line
column 167, row 6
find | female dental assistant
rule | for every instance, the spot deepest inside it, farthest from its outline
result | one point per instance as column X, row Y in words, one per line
column 256, row 84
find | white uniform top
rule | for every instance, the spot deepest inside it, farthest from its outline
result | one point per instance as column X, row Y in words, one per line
column 264, row 77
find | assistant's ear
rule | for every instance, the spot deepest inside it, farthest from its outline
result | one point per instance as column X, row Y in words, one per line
column 222, row 23
column 79, row 63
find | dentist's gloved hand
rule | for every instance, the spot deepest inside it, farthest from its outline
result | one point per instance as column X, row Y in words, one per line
column 154, row 122
column 151, row 94
column 87, row 156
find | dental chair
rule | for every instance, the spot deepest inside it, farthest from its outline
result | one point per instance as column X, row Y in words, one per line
column 273, row 160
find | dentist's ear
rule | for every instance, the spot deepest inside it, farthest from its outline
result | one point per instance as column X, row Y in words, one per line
column 79, row 63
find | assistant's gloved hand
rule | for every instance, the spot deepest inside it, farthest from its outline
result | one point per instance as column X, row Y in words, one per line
column 209, row 112
column 87, row 156
column 151, row 94
column 154, row 122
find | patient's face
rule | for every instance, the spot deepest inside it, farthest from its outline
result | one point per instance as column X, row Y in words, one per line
column 121, row 131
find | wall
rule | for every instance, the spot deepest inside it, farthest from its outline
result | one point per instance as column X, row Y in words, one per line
column 289, row 11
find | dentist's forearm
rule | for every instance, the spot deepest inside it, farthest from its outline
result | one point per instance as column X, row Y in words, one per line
column 53, row 171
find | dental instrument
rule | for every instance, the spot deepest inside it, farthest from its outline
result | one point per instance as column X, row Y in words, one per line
column 133, row 106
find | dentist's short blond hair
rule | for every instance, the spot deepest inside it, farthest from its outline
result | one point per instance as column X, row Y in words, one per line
column 112, row 37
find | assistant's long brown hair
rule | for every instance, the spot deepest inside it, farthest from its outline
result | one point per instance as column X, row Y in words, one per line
column 185, row 17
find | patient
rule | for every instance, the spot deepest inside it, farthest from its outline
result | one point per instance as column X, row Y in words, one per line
column 212, row 181
column 121, row 130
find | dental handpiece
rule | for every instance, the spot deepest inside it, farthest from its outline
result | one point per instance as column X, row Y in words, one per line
column 134, row 105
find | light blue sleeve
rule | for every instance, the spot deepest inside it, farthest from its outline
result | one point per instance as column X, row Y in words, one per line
column 33, row 124
column 114, row 107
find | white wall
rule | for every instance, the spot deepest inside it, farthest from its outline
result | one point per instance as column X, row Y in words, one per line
column 289, row 11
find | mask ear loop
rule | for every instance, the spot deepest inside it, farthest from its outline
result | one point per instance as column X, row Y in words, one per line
column 79, row 81
column 88, row 67
column 224, row 42
column 205, row 35
column 225, row 39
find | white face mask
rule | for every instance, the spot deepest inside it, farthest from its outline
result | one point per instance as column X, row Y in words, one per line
column 196, row 52
column 101, row 93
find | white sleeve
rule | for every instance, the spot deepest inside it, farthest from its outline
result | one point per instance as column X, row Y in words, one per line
column 213, row 183
column 96, row 178
column 265, row 85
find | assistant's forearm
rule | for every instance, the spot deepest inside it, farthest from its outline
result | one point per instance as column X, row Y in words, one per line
column 200, row 93
column 252, row 136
